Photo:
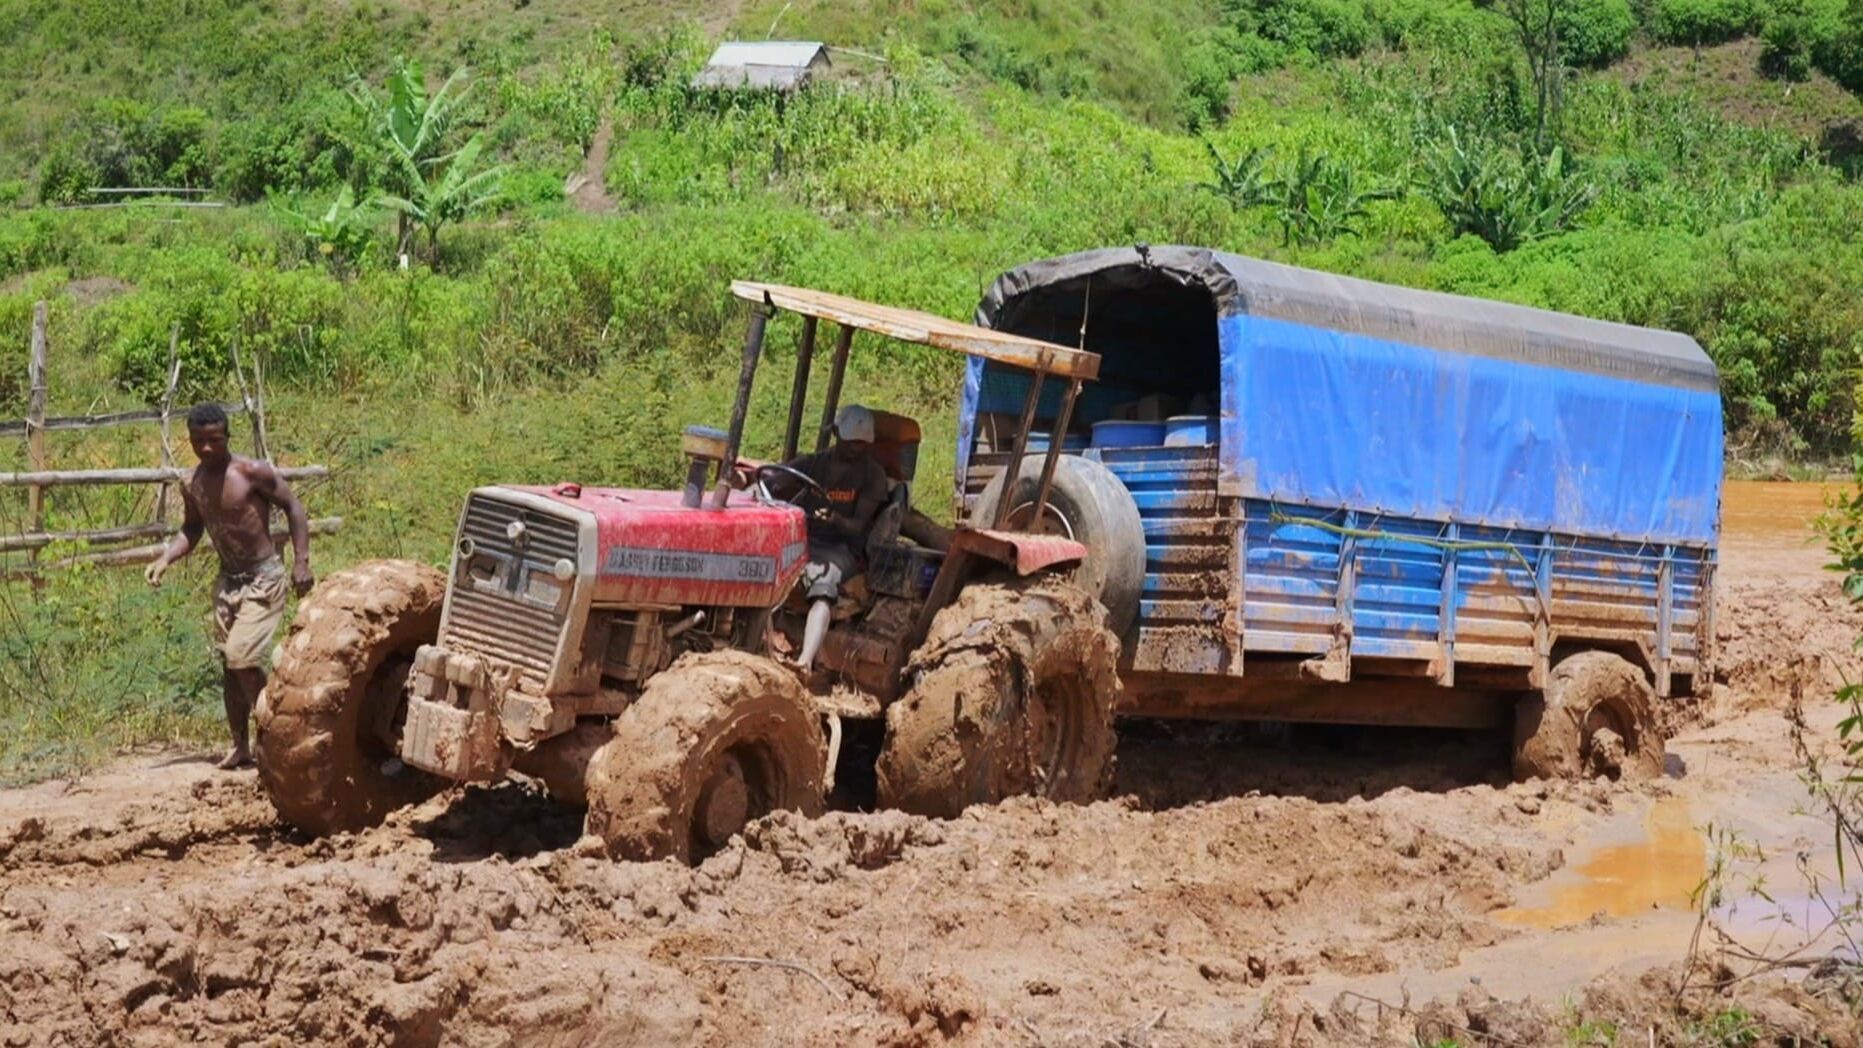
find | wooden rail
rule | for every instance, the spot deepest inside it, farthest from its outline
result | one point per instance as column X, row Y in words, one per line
column 80, row 423
column 117, row 558
column 56, row 478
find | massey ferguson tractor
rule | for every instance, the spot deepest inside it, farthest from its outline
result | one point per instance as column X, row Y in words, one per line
column 627, row 648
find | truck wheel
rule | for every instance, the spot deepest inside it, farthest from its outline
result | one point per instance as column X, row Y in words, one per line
column 329, row 720
column 1089, row 505
column 714, row 741
column 1012, row 692
column 1596, row 716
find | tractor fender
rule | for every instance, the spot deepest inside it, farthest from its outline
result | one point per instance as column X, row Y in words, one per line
column 974, row 551
column 1024, row 554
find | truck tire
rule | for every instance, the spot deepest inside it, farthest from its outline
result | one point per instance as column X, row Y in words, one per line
column 1013, row 692
column 329, row 719
column 1596, row 716
column 1089, row 505
column 714, row 741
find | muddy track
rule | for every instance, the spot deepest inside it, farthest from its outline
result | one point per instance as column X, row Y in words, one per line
column 1239, row 880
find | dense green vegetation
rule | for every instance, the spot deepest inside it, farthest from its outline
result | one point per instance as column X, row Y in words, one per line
column 1403, row 140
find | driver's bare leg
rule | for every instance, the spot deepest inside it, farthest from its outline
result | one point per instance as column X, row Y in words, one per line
column 815, row 631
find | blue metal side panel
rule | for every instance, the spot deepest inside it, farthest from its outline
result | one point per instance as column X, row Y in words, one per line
column 1397, row 599
column 1327, row 418
column 1292, row 582
column 1181, row 604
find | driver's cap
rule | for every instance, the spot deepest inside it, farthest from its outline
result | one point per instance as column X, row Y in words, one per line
column 854, row 422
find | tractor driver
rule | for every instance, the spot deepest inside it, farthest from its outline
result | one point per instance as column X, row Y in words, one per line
column 856, row 488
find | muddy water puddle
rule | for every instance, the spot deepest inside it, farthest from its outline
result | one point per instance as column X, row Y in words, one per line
column 1772, row 512
column 1661, row 869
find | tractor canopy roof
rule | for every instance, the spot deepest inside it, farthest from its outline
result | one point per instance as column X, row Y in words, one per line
column 925, row 329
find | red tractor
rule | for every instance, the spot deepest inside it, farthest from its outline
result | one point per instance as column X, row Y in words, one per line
column 621, row 646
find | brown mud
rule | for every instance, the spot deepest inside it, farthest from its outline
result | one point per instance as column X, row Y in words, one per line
column 1245, row 885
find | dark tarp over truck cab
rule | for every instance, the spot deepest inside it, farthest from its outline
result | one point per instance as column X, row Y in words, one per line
column 1346, row 393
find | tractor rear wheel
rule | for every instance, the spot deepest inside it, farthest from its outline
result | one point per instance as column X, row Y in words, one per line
column 1596, row 716
column 713, row 742
column 329, row 720
column 1013, row 692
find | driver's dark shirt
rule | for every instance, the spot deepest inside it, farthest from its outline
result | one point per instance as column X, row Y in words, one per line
column 856, row 490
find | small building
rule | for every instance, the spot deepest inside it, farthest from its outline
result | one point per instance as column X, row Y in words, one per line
column 770, row 65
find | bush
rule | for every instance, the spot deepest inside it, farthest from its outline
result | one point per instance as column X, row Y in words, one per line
column 1210, row 67
column 1698, row 22
column 1795, row 30
column 65, row 176
column 1841, row 56
column 1322, row 28
column 1595, row 33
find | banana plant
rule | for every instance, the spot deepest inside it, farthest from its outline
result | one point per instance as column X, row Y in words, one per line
column 1244, row 181
column 1322, row 198
column 413, row 126
column 449, row 195
column 341, row 234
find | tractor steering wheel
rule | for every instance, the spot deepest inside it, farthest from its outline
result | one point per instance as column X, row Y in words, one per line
column 809, row 485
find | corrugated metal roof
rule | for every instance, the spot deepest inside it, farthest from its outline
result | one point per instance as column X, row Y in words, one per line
column 793, row 54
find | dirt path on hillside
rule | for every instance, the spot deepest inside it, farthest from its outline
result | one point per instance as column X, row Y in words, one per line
column 1246, row 886
column 587, row 188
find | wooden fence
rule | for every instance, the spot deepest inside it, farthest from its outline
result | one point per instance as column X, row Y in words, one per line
column 39, row 479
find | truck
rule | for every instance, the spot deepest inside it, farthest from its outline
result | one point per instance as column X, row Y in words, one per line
column 1325, row 499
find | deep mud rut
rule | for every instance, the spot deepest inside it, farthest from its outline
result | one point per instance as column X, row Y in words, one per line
column 1245, row 886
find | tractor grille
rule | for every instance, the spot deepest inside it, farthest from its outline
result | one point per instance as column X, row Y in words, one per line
column 497, row 623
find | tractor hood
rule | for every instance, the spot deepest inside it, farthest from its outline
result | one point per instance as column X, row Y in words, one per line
column 652, row 550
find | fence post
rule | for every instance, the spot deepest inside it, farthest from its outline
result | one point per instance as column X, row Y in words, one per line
column 35, row 422
column 168, row 405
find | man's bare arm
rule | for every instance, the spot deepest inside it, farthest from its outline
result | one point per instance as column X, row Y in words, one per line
column 274, row 489
column 183, row 543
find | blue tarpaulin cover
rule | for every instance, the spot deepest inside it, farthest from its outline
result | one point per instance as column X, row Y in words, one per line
column 1346, row 393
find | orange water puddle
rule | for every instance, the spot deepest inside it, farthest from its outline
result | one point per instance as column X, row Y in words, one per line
column 1776, row 512
column 1661, row 870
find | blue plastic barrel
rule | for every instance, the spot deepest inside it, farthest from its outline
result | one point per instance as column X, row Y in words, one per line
column 1189, row 430
column 1115, row 433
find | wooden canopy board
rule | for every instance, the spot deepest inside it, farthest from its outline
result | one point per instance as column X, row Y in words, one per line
column 926, row 329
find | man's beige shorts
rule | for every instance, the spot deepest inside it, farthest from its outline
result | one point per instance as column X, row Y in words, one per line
column 246, row 612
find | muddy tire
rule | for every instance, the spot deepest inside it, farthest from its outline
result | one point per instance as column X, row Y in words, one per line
column 1012, row 693
column 1091, row 506
column 1596, row 716
column 329, row 720
column 716, row 740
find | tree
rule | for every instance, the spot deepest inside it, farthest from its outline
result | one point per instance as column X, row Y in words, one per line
column 1536, row 28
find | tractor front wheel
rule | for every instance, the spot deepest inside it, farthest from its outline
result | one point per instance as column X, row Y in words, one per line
column 713, row 742
column 1013, row 692
column 329, row 720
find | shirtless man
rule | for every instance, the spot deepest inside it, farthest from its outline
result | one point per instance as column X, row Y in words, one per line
column 232, row 497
